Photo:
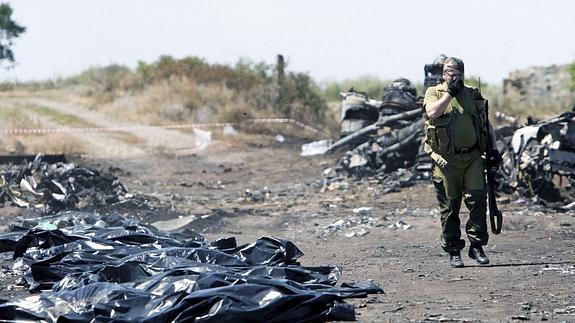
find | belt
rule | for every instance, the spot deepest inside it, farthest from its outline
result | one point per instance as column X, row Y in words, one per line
column 465, row 150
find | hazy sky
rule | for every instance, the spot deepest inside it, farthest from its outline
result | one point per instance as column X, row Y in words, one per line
column 330, row 39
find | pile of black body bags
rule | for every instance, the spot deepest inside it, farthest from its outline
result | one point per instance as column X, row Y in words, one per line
column 85, row 267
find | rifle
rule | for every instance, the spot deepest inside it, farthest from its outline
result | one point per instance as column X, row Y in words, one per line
column 495, row 216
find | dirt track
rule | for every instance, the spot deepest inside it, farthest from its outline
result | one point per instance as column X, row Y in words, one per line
column 532, row 266
column 260, row 187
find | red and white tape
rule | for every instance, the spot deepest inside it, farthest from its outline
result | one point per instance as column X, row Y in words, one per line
column 26, row 131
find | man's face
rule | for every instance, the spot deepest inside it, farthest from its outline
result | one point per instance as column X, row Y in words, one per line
column 451, row 74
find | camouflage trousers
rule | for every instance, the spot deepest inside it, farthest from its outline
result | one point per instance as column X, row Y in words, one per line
column 462, row 178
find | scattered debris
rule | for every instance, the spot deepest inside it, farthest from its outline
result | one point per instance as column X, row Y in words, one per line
column 400, row 225
column 561, row 269
column 539, row 160
column 395, row 310
column 50, row 188
column 357, row 233
column 365, row 210
column 257, row 195
column 112, row 268
column 441, row 318
column 353, row 225
column 369, row 300
column 335, row 184
column 217, row 185
column 358, row 224
column 569, row 207
column 520, row 318
column 563, row 311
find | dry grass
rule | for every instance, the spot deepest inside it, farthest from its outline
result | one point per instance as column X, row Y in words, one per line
column 14, row 117
column 19, row 117
column 188, row 90
column 178, row 102
column 163, row 102
column 55, row 144
column 128, row 138
column 185, row 101
column 57, row 117
column 75, row 121
column 32, row 116
column 47, row 144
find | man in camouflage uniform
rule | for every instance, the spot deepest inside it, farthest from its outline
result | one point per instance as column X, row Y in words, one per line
column 455, row 138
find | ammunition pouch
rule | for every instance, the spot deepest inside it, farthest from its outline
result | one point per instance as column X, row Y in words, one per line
column 440, row 161
column 439, row 134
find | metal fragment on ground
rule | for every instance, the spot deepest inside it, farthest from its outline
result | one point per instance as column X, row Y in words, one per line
column 50, row 188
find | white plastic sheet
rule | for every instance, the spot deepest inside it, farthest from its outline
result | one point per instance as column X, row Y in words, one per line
column 228, row 130
column 315, row 148
column 203, row 138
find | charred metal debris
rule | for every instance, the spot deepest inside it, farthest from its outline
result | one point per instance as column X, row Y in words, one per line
column 52, row 187
column 388, row 147
column 538, row 158
column 85, row 267
column 539, row 161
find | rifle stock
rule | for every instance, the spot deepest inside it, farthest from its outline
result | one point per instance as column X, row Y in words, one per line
column 495, row 216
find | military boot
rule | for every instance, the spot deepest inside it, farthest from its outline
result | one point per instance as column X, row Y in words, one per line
column 476, row 252
column 455, row 260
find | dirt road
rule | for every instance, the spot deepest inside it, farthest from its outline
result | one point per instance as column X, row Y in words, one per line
column 533, row 262
column 260, row 187
column 135, row 140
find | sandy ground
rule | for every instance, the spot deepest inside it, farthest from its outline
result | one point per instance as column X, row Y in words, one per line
column 259, row 187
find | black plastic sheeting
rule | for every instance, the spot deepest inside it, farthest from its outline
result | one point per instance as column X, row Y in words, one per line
column 88, row 267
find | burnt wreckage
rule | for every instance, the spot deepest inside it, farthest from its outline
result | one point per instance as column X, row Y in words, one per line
column 387, row 147
column 49, row 187
column 538, row 158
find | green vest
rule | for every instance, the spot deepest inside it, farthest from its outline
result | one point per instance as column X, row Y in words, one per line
column 461, row 125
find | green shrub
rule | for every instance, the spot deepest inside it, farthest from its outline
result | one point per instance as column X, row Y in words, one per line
column 171, row 89
column 106, row 78
column 571, row 71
